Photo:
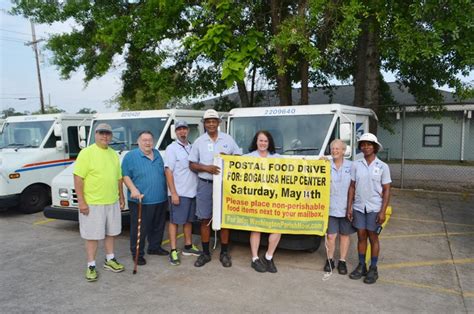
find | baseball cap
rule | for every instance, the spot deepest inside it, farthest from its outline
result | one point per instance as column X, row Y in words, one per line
column 369, row 137
column 103, row 127
column 211, row 114
column 180, row 124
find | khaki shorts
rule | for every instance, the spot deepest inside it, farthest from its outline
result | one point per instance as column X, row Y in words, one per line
column 102, row 220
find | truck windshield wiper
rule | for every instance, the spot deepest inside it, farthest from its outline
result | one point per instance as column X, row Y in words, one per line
column 300, row 149
column 117, row 142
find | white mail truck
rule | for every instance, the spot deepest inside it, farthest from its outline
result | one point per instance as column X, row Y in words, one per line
column 33, row 150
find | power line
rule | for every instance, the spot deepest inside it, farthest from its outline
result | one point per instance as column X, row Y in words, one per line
column 6, row 30
column 15, row 40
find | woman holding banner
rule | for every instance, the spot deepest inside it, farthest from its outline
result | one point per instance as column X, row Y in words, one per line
column 338, row 223
column 263, row 146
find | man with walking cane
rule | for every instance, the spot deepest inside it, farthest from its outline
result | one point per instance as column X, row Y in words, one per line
column 98, row 184
column 143, row 174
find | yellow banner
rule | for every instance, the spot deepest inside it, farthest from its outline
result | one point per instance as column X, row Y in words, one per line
column 275, row 195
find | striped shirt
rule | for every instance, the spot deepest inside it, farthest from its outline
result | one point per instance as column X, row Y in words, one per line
column 147, row 175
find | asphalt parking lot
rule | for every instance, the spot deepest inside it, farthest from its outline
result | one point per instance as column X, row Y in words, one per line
column 426, row 265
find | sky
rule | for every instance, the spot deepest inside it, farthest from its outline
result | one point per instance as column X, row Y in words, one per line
column 18, row 77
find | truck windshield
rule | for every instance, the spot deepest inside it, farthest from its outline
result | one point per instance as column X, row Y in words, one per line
column 24, row 134
column 126, row 131
column 293, row 135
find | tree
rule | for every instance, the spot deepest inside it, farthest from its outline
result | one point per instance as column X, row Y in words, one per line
column 49, row 110
column 11, row 112
column 87, row 111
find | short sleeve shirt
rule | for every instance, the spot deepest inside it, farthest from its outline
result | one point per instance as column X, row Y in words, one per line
column 177, row 160
column 204, row 149
column 340, row 182
column 369, row 180
column 256, row 154
column 100, row 170
column 147, row 175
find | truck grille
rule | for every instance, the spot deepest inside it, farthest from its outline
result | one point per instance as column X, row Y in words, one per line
column 73, row 198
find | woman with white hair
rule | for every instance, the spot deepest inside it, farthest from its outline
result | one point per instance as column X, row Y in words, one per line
column 338, row 224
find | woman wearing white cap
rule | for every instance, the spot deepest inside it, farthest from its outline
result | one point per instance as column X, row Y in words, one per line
column 367, row 203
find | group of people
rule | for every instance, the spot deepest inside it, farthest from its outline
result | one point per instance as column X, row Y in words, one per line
column 183, row 181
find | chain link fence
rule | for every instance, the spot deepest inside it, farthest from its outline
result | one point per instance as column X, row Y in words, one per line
column 430, row 151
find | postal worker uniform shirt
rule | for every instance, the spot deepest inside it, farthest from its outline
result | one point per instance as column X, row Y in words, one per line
column 256, row 154
column 177, row 160
column 340, row 182
column 147, row 175
column 204, row 149
column 369, row 181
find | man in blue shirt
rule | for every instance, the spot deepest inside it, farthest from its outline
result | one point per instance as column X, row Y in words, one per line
column 144, row 175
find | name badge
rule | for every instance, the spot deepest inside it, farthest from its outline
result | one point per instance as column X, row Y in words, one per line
column 210, row 147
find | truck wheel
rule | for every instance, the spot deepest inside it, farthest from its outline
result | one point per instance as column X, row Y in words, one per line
column 33, row 199
column 316, row 244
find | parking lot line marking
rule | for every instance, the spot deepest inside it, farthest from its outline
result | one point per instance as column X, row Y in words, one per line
column 44, row 221
column 426, row 263
column 421, row 286
column 419, row 235
column 168, row 240
column 432, row 221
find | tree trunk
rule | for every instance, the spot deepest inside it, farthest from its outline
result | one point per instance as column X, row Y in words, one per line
column 244, row 97
column 304, row 66
column 367, row 69
column 283, row 83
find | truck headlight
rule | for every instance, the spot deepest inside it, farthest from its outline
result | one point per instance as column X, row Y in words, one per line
column 63, row 193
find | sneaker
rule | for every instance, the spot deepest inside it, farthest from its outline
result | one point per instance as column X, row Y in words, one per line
column 329, row 268
column 271, row 268
column 174, row 258
column 141, row 260
column 358, row 272
column 225, row 259
column 114, row 265
column 259, row 266
column 202, row 260
column 192, row 251
column 372, row 275
column 342, row 268
column 91, row 274
column 160, row 251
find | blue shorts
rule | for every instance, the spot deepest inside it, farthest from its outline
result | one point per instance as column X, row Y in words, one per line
column 204, row 199
column 365, row 221
column 340, row 225
column 184, row 212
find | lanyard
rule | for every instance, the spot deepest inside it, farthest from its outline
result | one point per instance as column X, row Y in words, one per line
column 184, row 147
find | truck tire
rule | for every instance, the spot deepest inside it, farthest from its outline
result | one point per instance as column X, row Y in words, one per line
column 316, row 244
column 33, row 199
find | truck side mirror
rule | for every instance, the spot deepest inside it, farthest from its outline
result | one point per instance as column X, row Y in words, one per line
column 59, row 145
column 82, row 144
column 345, row 133
column 58, row 130
column 173, row 132
column 82, row 133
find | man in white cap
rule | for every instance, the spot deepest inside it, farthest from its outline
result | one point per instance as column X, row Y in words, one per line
column 201, row 161
column 98, row 184
column 182, row 186
column 368, row 197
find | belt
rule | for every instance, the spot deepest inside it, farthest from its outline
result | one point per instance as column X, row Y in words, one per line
column 205, row 180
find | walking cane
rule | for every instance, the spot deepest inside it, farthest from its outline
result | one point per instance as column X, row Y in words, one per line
column 137, row 252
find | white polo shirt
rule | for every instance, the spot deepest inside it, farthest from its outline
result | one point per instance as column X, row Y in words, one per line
column 369, row 180
column 340, row 182
column 176, row 159
column 204, row 149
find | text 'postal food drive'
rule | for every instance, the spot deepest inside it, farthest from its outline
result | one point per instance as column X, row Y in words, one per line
column 275, row 195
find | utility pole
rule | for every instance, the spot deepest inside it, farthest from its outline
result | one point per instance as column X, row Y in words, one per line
column 34, row 43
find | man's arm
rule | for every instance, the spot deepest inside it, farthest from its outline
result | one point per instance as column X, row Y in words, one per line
column 79, row 187
column 171, row 186
column 121, row 197
column 197, row 167
column 134, row 192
